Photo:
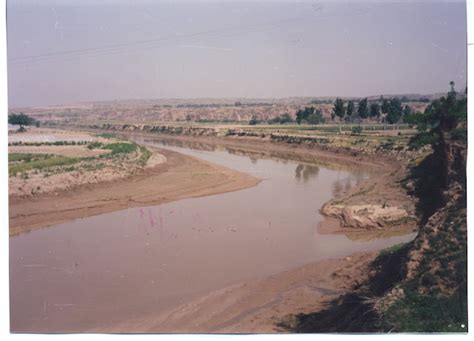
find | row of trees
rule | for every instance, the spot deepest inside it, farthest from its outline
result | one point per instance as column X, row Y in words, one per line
column 308, row 115
column 349, row 112
column 392, row 108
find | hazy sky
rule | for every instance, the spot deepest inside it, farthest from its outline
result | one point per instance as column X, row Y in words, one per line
column 85, row 50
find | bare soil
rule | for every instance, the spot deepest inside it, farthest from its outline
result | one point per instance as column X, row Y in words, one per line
column 38, row 135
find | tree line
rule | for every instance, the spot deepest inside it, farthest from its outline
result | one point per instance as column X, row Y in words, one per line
column 392, row 108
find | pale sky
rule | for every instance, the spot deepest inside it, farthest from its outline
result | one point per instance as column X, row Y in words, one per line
column 72, row 51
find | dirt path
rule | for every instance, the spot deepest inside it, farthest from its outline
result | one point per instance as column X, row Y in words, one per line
column 178, row 178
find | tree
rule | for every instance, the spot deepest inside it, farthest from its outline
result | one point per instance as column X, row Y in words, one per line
column 395, row 111
column 374, row 110
column 253, row 121
column 339, row 109
column 350, row 108
column 406, row 110
column 440, row 117
column 302, row 115
column 385, row 106
column 413, row 118
column 282, row 119
column 299, row 116
column 451, row 84
column 393, row 117
column 315, row 118
column 362, row 109
column 20, row 119
column 285, row 118
column 445, row 113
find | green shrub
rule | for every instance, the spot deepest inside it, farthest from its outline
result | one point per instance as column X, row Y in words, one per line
column 422, row 139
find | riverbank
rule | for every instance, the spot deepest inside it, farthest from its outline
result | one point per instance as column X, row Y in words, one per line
column 178, row 178
column 380, row 203
column 369, row 150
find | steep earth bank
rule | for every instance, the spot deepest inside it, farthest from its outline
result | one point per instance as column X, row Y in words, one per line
column 420, row 286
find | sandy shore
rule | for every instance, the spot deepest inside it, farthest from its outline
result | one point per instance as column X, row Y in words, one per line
column 179, row 178
column 258, row 306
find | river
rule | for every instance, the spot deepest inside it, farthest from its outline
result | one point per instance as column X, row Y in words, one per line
column 102, row 270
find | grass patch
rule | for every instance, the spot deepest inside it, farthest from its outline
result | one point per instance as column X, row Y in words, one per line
column 93, row 167
column 433, row 311
column 106, row 135
column 27, row 162
column 20, row 157
column 95, row 145
column 423, row 313
column 121, row 147
column 145, row 155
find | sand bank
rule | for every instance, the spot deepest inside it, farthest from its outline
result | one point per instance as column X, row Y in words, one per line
column 178, row 178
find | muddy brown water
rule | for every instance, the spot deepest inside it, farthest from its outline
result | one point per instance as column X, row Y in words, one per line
column 93, row 273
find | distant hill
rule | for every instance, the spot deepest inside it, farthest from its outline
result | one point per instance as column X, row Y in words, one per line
column 215, row 102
